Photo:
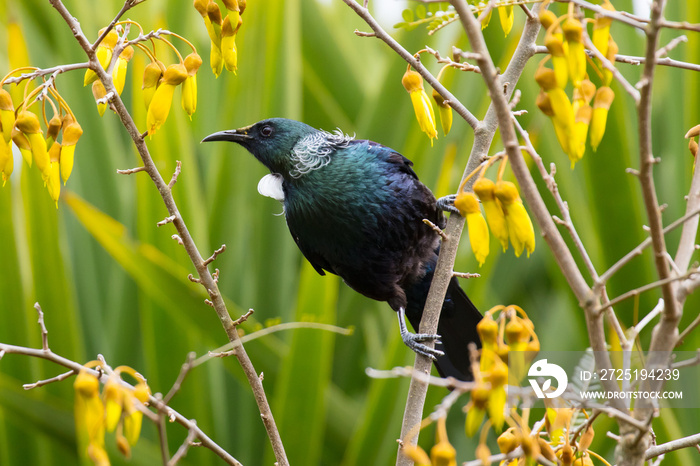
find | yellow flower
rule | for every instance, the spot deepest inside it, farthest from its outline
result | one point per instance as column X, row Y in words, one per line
column 22, row 142
column 89, row 410
column 113, row 398
column 53, row 129
column 104, row 54
column 578, row 140
column 151, row 77
column 498, row 377
column 159, row 108
column 443, row 453
column 485, row 22
column 189, row 87
column 601, row 29
column 99, row 92
column 7, row 115
column 520, row 229
column 71, row 133
column 576, row 55
column 556, row 46
column 601, row 106
column 468, row 206
column 559, row 104
column 416, row 453
column 508, row 441
column 28, row 123
column 506, row 15
column 413, row 83
column 6, row 161
column 53, row 183
column 228, row 40
column 484, row 188
column 612, row 52
column 119, row 70
column 445, row 112
column 483, row 453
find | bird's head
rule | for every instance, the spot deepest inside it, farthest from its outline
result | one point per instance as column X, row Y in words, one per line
column 271, row 141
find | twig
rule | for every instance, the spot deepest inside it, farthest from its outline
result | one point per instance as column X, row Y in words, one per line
column 184, row 370
column 436, row 229
column 629, row 88
column 181, row 243
column 42, row 326
column 213, row 256
column 173, row 180
column 131, row 171
column 182, row 451
column 693, row 325
column 243, row 318
column 41, row 383
column 466, row 275
column 663, row 51
column 166, row 220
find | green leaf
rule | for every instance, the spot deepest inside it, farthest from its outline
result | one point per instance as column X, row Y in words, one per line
column 421, row 11
column 407, row 15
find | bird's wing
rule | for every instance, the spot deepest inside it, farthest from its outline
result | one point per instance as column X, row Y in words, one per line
column 399, row 161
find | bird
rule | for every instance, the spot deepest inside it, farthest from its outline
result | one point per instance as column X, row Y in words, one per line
column 355, row 208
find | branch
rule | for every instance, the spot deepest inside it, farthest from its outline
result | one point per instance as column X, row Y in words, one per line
column 206, row 278
column 685, row 442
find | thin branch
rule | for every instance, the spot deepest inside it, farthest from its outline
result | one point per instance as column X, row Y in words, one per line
column 243, row 318
column 629, row 88
column 184, row 370
column 42, row 326
column 685, row 442
column 131, row 171
column 213, row 257
column 182, row 451
column 166, row 220
column 436, row 229
column 54, row 71
column 173, row 180
column 41, row 383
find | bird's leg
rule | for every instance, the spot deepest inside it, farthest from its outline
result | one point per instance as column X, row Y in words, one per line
column 413, row 340
column 447, row 204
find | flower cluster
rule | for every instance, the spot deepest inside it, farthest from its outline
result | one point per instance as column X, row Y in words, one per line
column 116, row 409
column 222, row 32
column 22, row 126
column 506, row 216
column 502, row 330
column 159, row 80
column 575, row 120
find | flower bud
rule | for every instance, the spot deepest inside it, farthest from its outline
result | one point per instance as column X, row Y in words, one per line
column 201, row 7
column 483, row 453
column 53, row 182
column 99, row 92
column 601, row 29
column 189, row 95
column 487, row 328
column 192, row 63
column 86, row 384
column 576, row 55
column 216, row 60
column 231, row 5
column 612, row 53
column 413, row 83
column 547, row 18
column 507, row 441
column 113, row 397
column 175, row 74
column 28, row 123
column 53, row 129
column 228, row 41
column 22, row 142
column 555, row 45
column 104, row 54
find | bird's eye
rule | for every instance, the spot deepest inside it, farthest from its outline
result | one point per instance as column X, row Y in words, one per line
column 266, row 131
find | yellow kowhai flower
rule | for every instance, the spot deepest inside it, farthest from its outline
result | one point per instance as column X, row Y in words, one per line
column 484, row 188
column 416, row 454
column 476, row 409
column 229, row 28
column 508, row 440
column 53, row 182
column 189, row 87
column 89, row 415
column 159, row 108
column 483, row 453
column 487, row 19
column 22, row 142
column 612, row 52
column 6, row 161
column 53, row 129
column 445, row 112
column 468, row 206
column 576, row 54
column 413, row 83
column 507, row 16
column 104, row 54
column 99, row 92
column 547, row 18
column 556, row 46
column 28, row 123
column 578, row 140
column 151, row 77
column 601, row 29
column 71, row 133
column 7, row 115
column 583, row 94
column 559, row 104
column 498, row 377
column 601, row 106
column 119, row 70
column 520, row 230
column 442, row 453
column 112, row 396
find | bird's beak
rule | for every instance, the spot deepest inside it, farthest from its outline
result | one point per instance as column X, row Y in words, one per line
column 234, row 135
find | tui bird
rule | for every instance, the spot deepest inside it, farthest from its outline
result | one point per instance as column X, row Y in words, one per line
column 355, row 208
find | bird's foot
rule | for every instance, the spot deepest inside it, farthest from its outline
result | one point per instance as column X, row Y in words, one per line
column 415, row 340
column 447, row 204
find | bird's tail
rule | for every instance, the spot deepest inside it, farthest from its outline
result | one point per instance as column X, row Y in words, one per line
column 457, row 328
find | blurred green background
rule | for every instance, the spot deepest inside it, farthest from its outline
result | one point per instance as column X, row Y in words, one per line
column 110, row 282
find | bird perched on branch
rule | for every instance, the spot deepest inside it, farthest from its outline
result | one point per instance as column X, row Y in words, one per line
column 355, row 208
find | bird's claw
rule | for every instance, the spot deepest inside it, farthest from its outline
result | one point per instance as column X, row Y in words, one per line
column 447, row 204
column 413, row 341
